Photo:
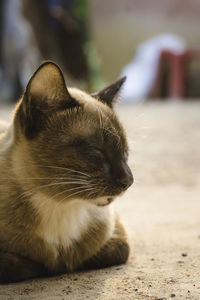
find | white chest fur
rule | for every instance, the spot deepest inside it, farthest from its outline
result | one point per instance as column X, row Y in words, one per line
column 62, row 223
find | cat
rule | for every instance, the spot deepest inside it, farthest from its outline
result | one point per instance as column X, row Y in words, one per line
column 63, row 160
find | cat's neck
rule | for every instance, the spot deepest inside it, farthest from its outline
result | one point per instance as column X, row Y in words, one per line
column 63, row 223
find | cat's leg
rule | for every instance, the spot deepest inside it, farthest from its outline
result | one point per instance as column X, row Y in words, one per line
column 15, row 268
column 114, row 252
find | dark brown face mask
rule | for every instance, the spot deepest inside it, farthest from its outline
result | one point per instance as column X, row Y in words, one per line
column 73, row 137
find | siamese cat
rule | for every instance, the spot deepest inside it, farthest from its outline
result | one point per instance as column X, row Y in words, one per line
column 63, row 160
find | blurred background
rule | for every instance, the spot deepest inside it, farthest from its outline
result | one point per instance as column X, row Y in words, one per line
column 155, row 43
column 160, row 38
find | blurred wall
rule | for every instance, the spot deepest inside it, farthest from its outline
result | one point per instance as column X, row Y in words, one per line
column 119, row 26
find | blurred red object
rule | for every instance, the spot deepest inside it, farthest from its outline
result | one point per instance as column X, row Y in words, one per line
column 176, row 65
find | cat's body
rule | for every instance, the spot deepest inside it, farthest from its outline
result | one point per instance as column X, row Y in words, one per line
column 56, row 182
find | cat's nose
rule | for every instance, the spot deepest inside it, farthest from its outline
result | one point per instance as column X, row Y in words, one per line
column 125, row 180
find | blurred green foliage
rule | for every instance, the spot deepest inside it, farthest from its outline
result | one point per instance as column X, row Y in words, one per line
column 81, row 11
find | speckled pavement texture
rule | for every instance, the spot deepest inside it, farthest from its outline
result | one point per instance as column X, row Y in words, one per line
column 161, row 212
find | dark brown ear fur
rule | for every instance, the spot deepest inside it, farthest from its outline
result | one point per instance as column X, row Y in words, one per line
column 45, row 94
column 108, row 94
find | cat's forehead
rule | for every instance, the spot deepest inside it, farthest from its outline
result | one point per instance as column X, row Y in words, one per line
column 91, row 121
column 95, row 114
column 89, row 103
column 94, row 119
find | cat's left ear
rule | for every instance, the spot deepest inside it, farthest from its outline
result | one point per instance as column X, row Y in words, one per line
column 47, row 88
column 45, row 94
column 109, row 94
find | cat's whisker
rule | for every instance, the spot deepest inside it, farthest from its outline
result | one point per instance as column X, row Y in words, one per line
column 111, row 132
column 67, row 169
column 57, row 167
column 79, row 192
column 72, row 189
column 30, row 192
column 92, row 193
column 65, row 198
column 100, row 114
column 103, row 190
column 58, row 194
column 97, row 189
column 49, row 178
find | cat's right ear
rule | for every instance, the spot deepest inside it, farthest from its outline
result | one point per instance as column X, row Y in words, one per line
column 108, row 95
column 45, row 94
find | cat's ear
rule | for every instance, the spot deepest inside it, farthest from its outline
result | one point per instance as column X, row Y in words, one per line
column 45, row 94
column 108, row 94
column 47, row 88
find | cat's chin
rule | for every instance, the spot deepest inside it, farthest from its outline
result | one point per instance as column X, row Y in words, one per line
column 103, row 201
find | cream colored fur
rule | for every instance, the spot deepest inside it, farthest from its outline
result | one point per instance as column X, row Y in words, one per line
column 63, row 223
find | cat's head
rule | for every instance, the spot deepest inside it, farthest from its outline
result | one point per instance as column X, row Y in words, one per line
column 70, row 144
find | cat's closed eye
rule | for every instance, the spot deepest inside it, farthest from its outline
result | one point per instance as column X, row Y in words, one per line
column 96, row 155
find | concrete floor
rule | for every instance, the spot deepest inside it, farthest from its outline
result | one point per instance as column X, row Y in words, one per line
column 161, row 212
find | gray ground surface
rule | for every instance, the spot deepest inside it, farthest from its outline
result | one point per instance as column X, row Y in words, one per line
column 161, row 212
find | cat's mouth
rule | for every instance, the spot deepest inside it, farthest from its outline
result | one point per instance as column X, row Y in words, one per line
column 109, row 200
column 103, row 201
